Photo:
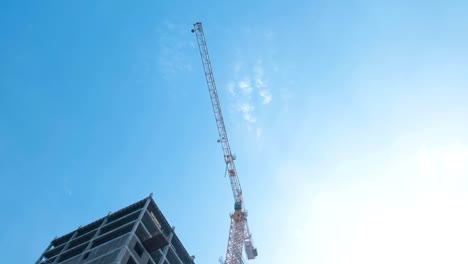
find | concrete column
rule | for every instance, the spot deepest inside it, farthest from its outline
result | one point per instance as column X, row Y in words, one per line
column 166, row 248
column 98, row 232
column 135, row 226
column 65, row 248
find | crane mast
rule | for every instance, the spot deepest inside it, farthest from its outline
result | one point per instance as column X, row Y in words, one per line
column 239, row 234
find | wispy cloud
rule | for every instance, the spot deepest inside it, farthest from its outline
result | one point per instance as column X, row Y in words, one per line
column 262, row 84
column 245, row 87
column 250, row 87
column 247, row 111
column 266, row 94
column 249, row 90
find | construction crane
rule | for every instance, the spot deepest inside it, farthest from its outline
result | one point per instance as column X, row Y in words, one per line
column 239, row 234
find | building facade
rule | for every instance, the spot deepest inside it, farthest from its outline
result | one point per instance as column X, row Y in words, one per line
column 138, row 233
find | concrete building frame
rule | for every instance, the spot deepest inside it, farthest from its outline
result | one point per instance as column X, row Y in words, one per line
column 136, row 234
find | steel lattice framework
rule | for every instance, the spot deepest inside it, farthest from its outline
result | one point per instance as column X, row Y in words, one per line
column 239, row 234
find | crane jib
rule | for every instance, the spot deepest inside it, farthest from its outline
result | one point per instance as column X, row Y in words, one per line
column 239, row 234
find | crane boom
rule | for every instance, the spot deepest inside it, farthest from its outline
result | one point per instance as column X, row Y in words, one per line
column 239, row 234
column 223, row 138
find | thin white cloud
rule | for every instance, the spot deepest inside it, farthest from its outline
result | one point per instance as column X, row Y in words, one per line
column 247, row 90
column 247, row 110
column 261, row 84
column 266, row 95
column 245, row 87
column 249, row 118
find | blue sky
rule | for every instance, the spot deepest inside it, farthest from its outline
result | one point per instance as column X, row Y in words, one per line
column 348, row 119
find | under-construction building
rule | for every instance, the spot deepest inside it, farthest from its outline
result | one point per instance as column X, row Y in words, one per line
column 138, row 233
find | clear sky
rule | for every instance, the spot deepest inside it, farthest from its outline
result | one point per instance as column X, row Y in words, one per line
column 348, row 119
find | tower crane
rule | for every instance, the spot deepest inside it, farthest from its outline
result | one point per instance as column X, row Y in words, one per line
column 239, row 234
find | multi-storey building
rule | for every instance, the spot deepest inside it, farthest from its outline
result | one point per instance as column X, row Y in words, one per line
column 138, row 233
